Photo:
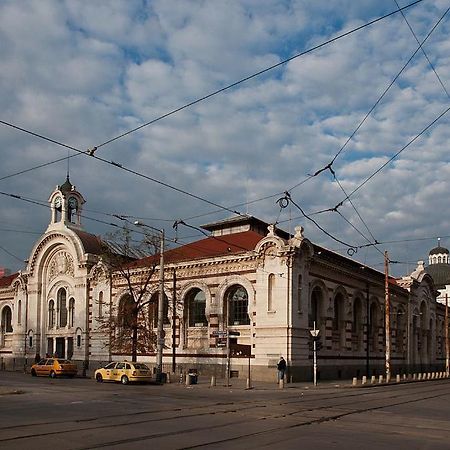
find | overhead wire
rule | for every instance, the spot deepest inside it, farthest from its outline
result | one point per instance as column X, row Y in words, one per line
column 352, row 135
column 254, row 75
column 423, row 51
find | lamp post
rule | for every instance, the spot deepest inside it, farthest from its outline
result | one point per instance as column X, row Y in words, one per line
column 315, row 335
column 387, row 317
column 159, row 332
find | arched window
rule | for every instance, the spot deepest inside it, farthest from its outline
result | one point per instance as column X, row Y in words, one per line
column 51, row 314
column 100, row 304
column 270, row 291
column 153, row 309
column 62, row 308
column 316, row 307
column 71, row 311
column 237, row 303
column 373, row 326
column 439, row 259
column 196, row 308
column 357, row 323
column 7, row 319
column 30, row 339
column 126, row 307
column 19, row 312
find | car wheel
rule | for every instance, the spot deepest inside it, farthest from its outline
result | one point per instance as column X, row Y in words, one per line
column 52, row 374
column 99, row 378
column 124, row 379
column 33, row 373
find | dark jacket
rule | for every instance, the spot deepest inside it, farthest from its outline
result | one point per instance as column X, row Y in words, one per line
column 281, row 365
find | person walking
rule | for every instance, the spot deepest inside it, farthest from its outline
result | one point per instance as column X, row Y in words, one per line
column 281, row 368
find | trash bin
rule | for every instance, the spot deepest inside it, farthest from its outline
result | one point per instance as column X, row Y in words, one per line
column 193, row 376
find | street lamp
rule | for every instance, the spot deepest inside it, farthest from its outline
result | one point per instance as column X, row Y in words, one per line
column 159, row 332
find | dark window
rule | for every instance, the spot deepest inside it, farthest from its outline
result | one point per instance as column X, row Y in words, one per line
column 153, row 309
column 62, row 308
column 126, row 312
column 71, row 311
column 197, row 305
column 7, row 319
column 51, row 314
column 110, row 365
column 237, row 301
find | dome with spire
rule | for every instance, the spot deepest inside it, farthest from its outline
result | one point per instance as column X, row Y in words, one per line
column 66, row 186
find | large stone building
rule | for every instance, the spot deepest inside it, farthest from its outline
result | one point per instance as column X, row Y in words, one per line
column 247, row 277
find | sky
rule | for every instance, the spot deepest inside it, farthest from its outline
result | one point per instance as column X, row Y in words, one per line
column 83, row 73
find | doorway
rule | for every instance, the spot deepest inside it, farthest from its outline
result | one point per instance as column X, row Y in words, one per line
column 60, row 348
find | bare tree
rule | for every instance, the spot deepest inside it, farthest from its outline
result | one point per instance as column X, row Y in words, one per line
column 132, row 264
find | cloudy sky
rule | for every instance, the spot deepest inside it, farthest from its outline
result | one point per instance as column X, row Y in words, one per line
column 82, row 73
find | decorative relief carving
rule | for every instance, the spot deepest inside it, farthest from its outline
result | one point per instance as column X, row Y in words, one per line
column 61, row 264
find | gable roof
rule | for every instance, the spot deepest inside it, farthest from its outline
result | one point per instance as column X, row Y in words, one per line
column 6, row 281
column 210, row 247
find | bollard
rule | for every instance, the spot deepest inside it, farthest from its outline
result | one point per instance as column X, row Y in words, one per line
column 213, row 381
column 405, row 377
column 364, row 380
column 388, row 378
column 429, row 376
column 281, row 384
column 419, row 376
column 397, row 378
column 188, row 380
column 355, row 381
column 372, row 380
column 168, row 377
column 380, row 379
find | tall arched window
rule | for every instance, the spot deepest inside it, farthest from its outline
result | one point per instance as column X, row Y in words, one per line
column 270, row 291
column 51, row 314
column 153, row 309
column 71, row 311
column 357, row 323
column 62, row 308
column 316, row 307
column 19, row 312
column 196, row 308
column 126, row 307
column 373, row 326
column 7, row 319
column 100, row 304
column 237, row 303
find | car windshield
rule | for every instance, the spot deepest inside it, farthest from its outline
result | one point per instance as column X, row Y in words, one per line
column 64, row 361
column 110, row 365
column 141, row 367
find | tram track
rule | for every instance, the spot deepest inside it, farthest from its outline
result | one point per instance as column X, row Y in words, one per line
column 221, row 409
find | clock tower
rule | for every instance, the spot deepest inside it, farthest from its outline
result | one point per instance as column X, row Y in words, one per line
column 66, row 205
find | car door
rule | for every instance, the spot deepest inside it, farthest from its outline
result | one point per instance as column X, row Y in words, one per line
column 119, row 371
column 39, row 368
column 109, row 371
column 48, row 367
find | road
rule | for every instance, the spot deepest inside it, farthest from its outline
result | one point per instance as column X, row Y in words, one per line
column 78, row 413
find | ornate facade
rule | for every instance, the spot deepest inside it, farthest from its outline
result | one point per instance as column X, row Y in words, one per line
column 266, row 287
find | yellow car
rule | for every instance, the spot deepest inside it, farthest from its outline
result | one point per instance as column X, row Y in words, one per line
column 125, row 372
column 53, row 367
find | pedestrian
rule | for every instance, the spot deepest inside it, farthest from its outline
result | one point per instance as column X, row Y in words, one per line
column 281, row 368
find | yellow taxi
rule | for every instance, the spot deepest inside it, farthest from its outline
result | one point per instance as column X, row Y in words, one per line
column 53, row 367
column 125, row 372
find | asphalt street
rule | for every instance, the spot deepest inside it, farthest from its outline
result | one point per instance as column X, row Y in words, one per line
column 79, row 413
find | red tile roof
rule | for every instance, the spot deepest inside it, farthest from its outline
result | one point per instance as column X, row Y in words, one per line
column 207, row 248
column 6, row 281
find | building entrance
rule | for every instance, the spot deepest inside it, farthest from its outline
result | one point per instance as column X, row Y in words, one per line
column 60, row 347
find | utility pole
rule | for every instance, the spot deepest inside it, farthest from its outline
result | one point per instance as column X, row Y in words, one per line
column 160, row 338
column 174, row 319
column 159, row 332
column 315, row 335
column 367, row 331
column 387, row 317
column 447, row 351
